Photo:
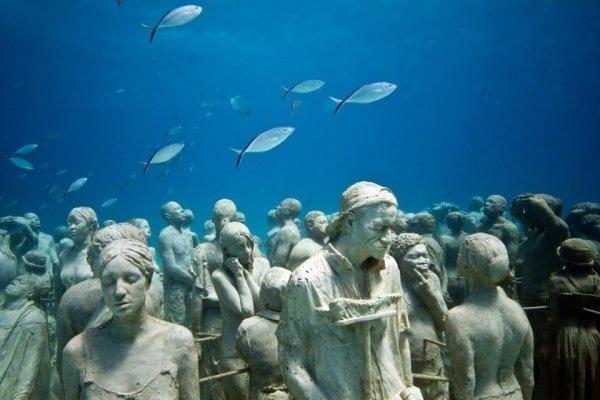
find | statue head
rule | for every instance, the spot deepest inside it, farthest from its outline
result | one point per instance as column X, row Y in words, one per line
column 34, row 221
column 483, row 259
column 188, row 217
column 289, row 208
column 441, row 209
column 35, row 262
column 401, row 224
column 209, row 230
column 143, row 225
column 237, row 241
column 475, row 204
column 272, row 288
column 315, row 223
column 60, row 232
column 521, row 209
column 125, row 269
column 172, row 213
column 410, row 252
column 366, row 219
column 272, row 218
column 222, row 212
column 455, row 221
column 422, row 223
column 494, row 206
column 576, row 252
column 26, row 286
column 239, row 217
column 109, row 234
column 82, row 223
column 575, row 216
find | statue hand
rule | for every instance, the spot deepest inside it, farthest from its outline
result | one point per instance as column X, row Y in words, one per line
column 411, row 393
column 234, row 265
column 423, row 285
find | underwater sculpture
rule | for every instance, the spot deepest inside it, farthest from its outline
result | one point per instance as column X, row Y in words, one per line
column 188, row 220
column 45, row 242
column 288, row 234
column 426, row 311
column 273, row 226
column 590, row 231
column 571, row 349
column 342, row 333
column 237, row 284
column 315, row 224
column 149, row 358
column 440, row 211
column 576, row 215
column 474, row 214
column 495, row 224
column 25, row 364
column 74, row 268
column 491, row 360
column 209, row 231
column 179, row 281
column 21, row 237
column 257, row 342
column 239, row 217
column 8, row 261
column 423, row 224
column 457, row 286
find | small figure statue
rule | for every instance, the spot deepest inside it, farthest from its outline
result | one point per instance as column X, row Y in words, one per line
column 489, row 337
column 209, row 231
column 288, row 234
column 315, row 224
column 426, row 311
column 440, row 211
column 188, row 220
column 21, row 237
column 457, row 286
column 423, row 224
column 237, row 284
column 342, row 333
column 45, row 242
column 239, row 217
column 132, row 355
column 257, row 343
column 24, row 365
column 74, row 268
column 474, row 214
column 176, row 246
column 495, row 224
column 571, row 349
column 273, row 226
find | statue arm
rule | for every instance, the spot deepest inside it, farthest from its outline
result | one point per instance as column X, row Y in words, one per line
column 462, row 358
column 405, row 359
column 170, row 263
column 524, row 366
column 71, row 369
column 556, row 229
column 187, row 366
column 237, row 299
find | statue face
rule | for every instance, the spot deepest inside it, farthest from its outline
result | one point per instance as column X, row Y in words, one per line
column 176, row 213
column 372, row 229
column 124, row 287
column 491, row 208
column 145, row 228
column 319, row 226
column 78, row 227
column 34, row 221
column 243, row 249
column 417, row 259
column 18, row 287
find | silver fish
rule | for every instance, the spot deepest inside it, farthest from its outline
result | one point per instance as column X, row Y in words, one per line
column 109, row 202
column 237, row 104
column 265, row 141
column 76, row 185
column 19, row 162
column 365, row 94
column 308, row 86
column 163, row 155
column 176, row 17
column 25, row 149
column 61, row 172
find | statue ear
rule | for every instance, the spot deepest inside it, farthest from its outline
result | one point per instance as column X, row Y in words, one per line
column 499, row 268
column 348, row 221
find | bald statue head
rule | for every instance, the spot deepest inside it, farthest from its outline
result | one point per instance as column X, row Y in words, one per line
column 223, row 211
column 172, row 213
column 289, row 208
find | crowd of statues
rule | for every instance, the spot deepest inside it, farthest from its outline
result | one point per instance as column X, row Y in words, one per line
column 498, row 301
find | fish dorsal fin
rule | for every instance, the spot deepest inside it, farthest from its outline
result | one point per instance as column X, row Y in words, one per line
column 340, row 104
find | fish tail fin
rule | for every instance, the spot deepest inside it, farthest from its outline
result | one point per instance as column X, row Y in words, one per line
column 236, row 151
column 286, row 91
column 340, row 104
column 146, row 26
column 153, row 32
column 239, row 159
column 335, row 100
column 146, row 166
column 65, row 194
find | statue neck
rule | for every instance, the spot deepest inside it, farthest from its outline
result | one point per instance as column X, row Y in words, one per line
column 484, row 292
column 346, row 248
column 16, row 303
column 127, row 328
column 318, row 239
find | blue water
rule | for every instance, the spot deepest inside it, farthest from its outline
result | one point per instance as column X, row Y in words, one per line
column 493, row 97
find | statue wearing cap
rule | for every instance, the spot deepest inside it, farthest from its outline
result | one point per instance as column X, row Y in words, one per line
column 571, row 348
column 342, row 333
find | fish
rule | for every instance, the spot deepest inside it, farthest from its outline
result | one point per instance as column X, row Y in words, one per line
column 76, row 185
column 61, row 172
column 120, row 91
column 19, row 162
column 176, row 17
column 163, row 155
column 109, row 202
column 173, row 131
column 365, row 94
column 295, row 105
column 28, row 148
column 237, row 105
column 265, row 142
column 308, row 86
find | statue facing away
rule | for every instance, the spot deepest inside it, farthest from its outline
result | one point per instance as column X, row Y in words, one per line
column 489, row 337
column 288, row 234
column 342, row 333
column 315, row 224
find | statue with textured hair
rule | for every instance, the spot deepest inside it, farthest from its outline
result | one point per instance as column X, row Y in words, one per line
column 74, row 268
column 132, row 355
column 288, row 234
column 426, row 311
column 208, row 256
column 237, row 284
column 457, row 286
column 24, row 365
column 180, row 282
column 257, row 343
column 315, row 224
column 342, row 333
column 491, row 360
column 423, row 224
